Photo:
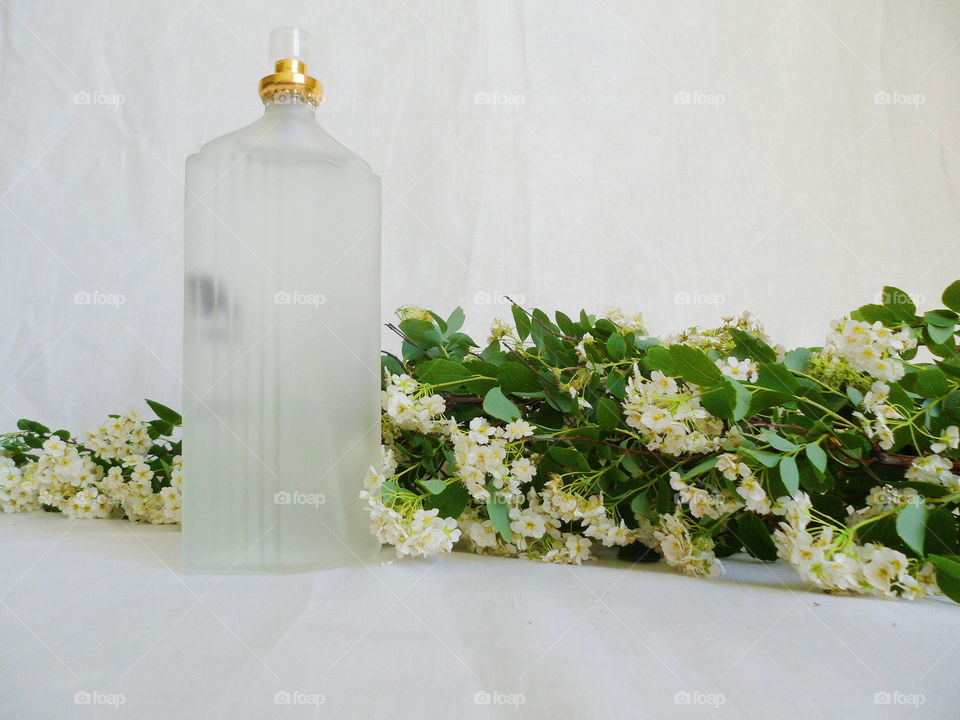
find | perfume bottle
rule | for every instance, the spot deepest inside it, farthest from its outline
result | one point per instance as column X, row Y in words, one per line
column 281, row 337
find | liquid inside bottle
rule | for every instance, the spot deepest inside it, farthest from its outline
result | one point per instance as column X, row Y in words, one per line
column 281, row 339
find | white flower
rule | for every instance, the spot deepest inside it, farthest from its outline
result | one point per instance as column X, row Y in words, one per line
column 743, row 370
column 54, row 446
column 523, row 469
column 482, row 534
column 950, row 439
column 578, row 548
column 517, row 429
column 528, row 523
column 883, row 567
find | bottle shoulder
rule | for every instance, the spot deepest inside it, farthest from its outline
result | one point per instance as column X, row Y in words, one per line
column 283, row 133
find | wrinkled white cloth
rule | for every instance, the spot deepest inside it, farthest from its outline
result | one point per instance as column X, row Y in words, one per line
column 99, row 608
column 685, row 161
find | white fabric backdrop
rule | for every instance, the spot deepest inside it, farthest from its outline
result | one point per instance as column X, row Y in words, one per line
column 782, row 186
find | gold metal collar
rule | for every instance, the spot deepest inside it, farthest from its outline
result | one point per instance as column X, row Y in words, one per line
column 290, row 77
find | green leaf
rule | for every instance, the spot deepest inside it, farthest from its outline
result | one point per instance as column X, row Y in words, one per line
column 951, row 296
column 616, row 347
column 568, row 457
column 912, row 524
column 755, row 537
column 941, row 535
column 899, row 303
column 873, row 313
column 165, row 413
column 790, row 474
column 747, row 345
column 641, row 506
column 499, row 512
column 694, row 366
column 948, row 574
column 496, row 404
column 765, row 399
column 941, row 318
column 856, row 397
column 515, row 377
column 434, row 485
column 33, row 426
column 767, row 459
column 422, row 333
column 441, row 372
column 939, row 334
column 451, row 502
column 566, row 325
column 816, row 456
column 780, row 443
column 700, row 468
column 608, row 414
column 617, row 385
column 776, row 377
column 658, row 358
column 930, row 382
column 455, row 321
column 798, row 359
column 521, row 320
column 740, row 398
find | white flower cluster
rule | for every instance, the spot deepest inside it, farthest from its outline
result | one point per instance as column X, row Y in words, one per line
column 826, row 558
column 536, row 527
column 875, row 403
column 17, row 493
column 560, row 505
column 703, row 502
column 119, row 437
column 690, row 553
column 874, row 349
column 934, row 469
column 630, row 323
column 670, row 418
column 67, row 477
column 482, row 454
column 411, row 529
column 411, row 409
column 719, row 339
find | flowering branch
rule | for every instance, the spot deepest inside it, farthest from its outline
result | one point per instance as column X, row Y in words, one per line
column 563, row 435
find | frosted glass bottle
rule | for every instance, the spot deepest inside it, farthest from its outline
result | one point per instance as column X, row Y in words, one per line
column 281, row 343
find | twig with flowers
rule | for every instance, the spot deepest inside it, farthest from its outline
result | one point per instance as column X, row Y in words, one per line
column 564, row 434
column 127, row 467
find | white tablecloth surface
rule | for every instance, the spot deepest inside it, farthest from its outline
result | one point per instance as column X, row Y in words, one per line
column 97, row 621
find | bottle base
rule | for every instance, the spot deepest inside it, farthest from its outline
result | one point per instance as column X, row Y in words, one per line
column 201, row 568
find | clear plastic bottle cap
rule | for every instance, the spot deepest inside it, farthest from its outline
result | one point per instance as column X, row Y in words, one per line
column 289, row 43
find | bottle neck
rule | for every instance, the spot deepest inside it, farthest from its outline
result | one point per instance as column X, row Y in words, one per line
column 290, row 105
